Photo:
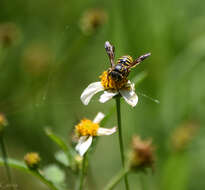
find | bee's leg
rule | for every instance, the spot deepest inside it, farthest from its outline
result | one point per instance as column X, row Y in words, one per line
column 127, row 72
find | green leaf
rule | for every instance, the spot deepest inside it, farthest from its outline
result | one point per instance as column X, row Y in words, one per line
column 60, row 142
column 56, row 139
column 54, row 174
column 22, row 167
column 62, row 158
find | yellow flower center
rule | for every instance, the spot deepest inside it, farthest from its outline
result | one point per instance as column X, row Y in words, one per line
column 110, row 84
column 87, row 127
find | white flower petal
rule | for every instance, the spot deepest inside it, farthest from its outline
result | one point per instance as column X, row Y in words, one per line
column 104, row 131
column 90, row 91
column 83, row 144
column 129, row 95
column 107, row 95
column 99, row 117
column 81, row 141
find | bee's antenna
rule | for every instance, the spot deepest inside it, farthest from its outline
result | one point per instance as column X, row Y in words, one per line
column 149, row 98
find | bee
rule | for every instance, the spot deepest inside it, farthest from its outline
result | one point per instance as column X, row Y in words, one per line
column 124, row 64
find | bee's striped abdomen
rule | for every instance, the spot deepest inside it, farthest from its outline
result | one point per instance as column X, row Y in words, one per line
column 125, row 60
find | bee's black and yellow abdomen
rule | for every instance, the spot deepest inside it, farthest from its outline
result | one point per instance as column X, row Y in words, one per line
column 125, row 60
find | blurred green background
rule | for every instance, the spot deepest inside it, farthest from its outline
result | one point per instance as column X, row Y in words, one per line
column 51, row 50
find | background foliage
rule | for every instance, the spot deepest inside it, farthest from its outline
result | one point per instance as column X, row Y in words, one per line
column 47, row 60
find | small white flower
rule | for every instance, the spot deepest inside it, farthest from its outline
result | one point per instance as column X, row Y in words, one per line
column 126, row 90
column 88, row 129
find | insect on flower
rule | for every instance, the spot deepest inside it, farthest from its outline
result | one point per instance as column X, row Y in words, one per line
column 87, row 130
column 121, row 70
column 114, row 81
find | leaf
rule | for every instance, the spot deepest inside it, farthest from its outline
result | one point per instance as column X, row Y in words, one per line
column 54, row 174
column 56, row 139
column 62, row 158
column 22, row 167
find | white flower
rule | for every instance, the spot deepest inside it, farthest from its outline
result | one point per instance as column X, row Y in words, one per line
column 88, row 129
column 125, row 88
column 110, row 85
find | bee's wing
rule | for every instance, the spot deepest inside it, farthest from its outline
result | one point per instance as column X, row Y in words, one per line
column 139, row 60
column 111, row 52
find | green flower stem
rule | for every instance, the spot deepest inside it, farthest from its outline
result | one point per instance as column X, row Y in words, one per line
column 45, row 181
column 83, row 172
column 21, row 166
column 116, row 179
column 142, row 182
column 5, row 157
column 120, row 139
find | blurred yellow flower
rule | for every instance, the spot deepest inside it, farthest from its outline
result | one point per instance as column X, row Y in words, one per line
column 183, row 135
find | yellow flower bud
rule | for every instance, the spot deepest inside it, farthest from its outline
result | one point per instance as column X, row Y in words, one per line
column 32, row 160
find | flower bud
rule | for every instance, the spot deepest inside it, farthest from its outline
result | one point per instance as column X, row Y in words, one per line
column 183, row 135
column 92, row 20
column 9, row 34
column 36, row 59
column 141, row 156
column 32, row 160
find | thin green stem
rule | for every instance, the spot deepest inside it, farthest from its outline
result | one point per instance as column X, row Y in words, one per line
column 121, row 139
column 5, row 157
column 116, row 179
column 82, row 173
column 142, row 182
